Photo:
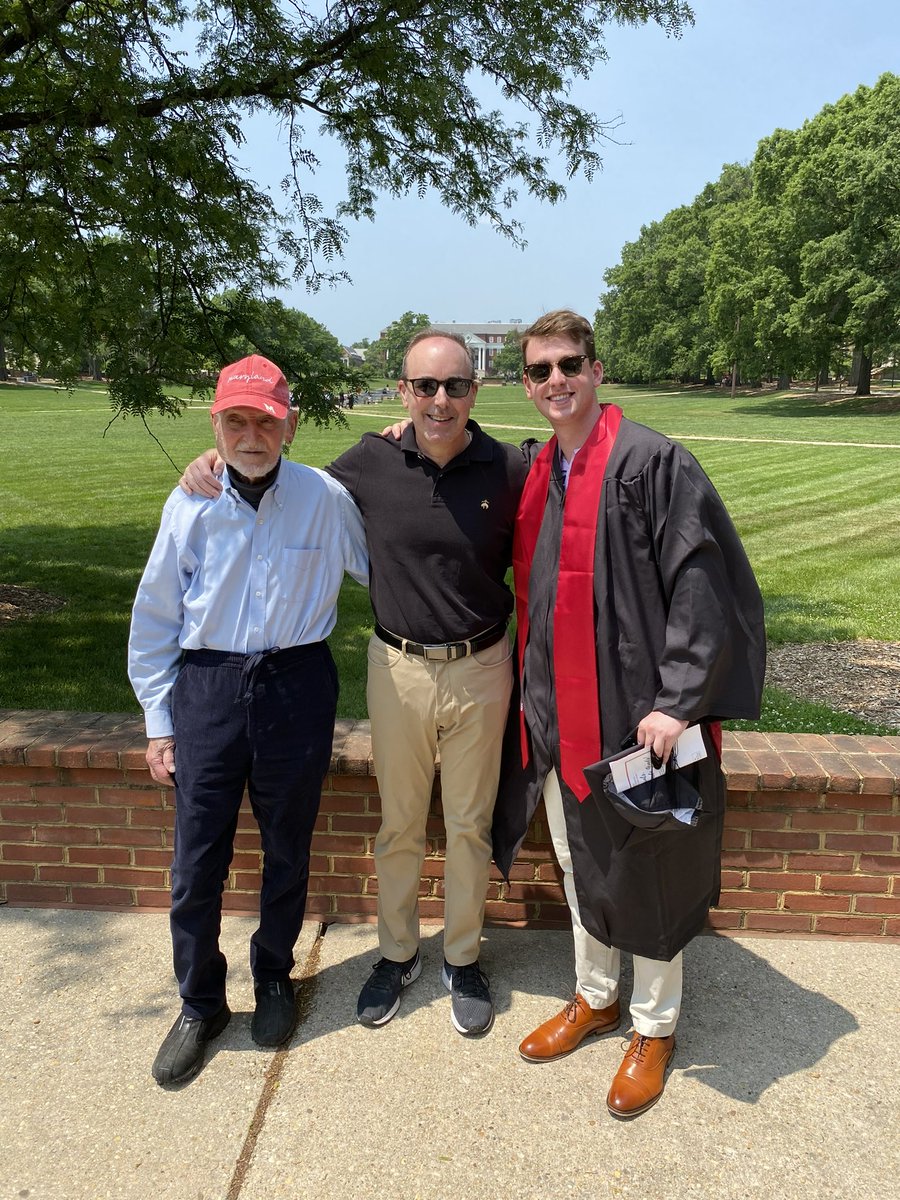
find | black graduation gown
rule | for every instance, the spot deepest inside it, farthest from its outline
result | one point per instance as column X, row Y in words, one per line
column 679, row 628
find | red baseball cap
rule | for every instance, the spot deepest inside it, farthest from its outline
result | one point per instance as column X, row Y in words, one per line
column 253, row 382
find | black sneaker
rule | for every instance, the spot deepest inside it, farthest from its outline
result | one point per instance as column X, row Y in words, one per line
column 471, row 1007
column 181, row 1055
column 276, row 1012
column 380, row 997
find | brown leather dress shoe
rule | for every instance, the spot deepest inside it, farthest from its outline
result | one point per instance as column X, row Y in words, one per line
column 567, row 1030
column 640, row 1080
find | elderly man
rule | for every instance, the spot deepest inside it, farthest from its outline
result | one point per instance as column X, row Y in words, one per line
column 439, row 505
column 229, row 661
column 638, row 614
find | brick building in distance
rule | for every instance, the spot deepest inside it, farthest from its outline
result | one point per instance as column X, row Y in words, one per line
column 484, row 339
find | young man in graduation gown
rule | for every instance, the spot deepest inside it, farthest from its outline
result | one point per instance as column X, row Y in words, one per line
column 638, row 614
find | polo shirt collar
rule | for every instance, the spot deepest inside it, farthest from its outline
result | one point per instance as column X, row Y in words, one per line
column 478, row 450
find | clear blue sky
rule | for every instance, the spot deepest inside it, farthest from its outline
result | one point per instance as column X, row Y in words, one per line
column 746, row 68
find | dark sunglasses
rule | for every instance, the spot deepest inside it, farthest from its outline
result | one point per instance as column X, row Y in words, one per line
column 455, row 387
column 570, row 367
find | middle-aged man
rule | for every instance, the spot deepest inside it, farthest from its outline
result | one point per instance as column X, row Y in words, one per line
column 229, row 661
column 638, row 614
column 439, row 506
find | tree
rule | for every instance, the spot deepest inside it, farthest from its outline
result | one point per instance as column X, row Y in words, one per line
column 774, row 268
column 834, row 184
column 306, row 351
column 122, row 202
column 654, row 320
column 388, row 351
column 507, row 362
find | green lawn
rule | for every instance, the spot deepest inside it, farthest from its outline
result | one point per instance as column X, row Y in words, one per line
column 81, row 502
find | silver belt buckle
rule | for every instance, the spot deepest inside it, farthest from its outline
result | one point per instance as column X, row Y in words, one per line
column 448, row 652
column 437, row 653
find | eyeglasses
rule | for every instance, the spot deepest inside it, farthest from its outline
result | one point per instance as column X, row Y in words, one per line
column 456, row 387
column 570, row 367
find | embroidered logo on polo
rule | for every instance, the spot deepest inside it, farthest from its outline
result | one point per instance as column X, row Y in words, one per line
column 485, row 504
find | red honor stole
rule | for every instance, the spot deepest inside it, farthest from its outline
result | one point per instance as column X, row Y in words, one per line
column 574, row 635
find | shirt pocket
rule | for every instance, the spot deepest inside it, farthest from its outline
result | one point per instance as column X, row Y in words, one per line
column 302, row 568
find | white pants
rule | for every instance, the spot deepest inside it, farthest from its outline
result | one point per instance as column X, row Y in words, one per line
column 656, row 995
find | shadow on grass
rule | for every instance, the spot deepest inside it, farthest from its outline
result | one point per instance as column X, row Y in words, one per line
column 75, row 658
column 823, row 404
column 792, row 618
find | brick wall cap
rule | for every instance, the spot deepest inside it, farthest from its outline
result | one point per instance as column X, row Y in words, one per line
column 752, row 761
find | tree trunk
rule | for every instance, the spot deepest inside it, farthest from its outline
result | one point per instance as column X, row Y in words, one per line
column 4, row 374
column 854, row 366
column 734, row 364
column 784, row 383
column 864, row 378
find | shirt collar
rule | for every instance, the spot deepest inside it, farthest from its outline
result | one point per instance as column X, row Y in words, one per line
column 479, row 449
column 229, row 488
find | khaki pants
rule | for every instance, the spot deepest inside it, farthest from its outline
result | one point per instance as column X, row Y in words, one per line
column 656, row 994
column 418, row 708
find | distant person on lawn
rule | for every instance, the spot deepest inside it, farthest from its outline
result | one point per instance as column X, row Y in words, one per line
column 229, row 661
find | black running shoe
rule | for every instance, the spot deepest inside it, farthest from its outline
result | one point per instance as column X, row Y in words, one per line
column 380, row 997
column 471, row 1007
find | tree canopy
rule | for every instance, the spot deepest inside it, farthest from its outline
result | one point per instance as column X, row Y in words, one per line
column 775, row 267
column 388, row 351
column 123, row 206
column 507, row 362
column 654, row 321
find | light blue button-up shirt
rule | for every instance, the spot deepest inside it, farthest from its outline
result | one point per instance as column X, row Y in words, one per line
column 224, row 576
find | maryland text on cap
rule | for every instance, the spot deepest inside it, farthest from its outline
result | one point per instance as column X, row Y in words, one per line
column 253, row 382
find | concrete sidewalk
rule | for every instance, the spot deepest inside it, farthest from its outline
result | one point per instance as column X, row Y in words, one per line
column 784, row 1084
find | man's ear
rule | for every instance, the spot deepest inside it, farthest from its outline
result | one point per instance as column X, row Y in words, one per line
column 291, row 428
column 401, row 389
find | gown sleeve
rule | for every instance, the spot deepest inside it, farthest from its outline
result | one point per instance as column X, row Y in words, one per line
column 713, row 660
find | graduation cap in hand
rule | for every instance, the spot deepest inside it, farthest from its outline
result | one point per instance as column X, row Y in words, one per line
column 665, row 801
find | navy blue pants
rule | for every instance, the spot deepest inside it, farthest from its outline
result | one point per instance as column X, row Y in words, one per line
column 264, row 721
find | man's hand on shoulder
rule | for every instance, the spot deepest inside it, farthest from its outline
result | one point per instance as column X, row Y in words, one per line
column 161, row 760
column 396, row 430
column 199, row 478
column 659, row 733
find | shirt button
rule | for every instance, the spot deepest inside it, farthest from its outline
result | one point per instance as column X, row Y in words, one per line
column 261, row 521
column 259, row 593
column 256, row 629
column 259, row 558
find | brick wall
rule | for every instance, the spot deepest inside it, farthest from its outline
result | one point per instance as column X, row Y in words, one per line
column 812, row 837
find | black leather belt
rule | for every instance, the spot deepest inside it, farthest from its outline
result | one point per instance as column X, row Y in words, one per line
column 442, row 651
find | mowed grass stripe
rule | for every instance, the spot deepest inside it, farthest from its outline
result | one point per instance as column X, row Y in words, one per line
column 79, row 510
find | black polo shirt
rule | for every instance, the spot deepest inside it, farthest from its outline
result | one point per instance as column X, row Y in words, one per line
column 440, row 538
